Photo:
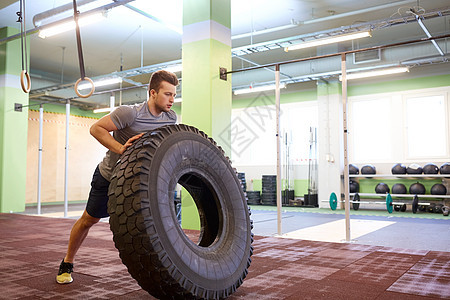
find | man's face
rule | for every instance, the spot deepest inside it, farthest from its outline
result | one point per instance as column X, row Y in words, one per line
column 165, row 97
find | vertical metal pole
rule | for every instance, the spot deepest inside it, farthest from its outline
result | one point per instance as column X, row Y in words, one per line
column 112, row 100
column 142, row 46
column 62, row 65
column 344, row 119
column 41, row 121
column 278, row 135
column 66, row 202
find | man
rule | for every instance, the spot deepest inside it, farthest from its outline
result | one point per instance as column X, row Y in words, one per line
column 128, row 123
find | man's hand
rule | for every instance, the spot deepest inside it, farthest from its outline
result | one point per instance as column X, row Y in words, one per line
column 129, row 142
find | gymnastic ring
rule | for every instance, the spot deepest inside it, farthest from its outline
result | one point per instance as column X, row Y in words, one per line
column 23, row 74
column 92, row 89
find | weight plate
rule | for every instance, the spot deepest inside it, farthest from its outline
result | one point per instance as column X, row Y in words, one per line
column 355, row 203
column 333, row 201
column 389, row 203
column 415, row 204
column 403, row 207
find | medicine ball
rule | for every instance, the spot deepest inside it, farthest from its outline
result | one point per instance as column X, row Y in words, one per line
column 438, row 189
column 368, row 170
column 353, row 170
column 399, row 188
column 398, row 169
column 414, row 169
column 430, row 169
column 445, row 168
column 382, row 188
column 354, row 186
column 417, row 189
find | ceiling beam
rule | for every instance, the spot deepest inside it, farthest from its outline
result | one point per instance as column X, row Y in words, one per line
column 5, row 3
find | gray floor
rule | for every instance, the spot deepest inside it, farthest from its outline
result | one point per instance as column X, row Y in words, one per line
column 405, row 233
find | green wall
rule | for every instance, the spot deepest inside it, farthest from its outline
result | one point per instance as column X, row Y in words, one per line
column 300, row 186
column 285, row 98
column 399, row 85
column 13, row 127
column 76, row 111
column 367, row 185
column 61, row 109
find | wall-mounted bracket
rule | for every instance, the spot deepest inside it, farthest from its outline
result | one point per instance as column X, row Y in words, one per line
column 223, row 73
column 17, row 107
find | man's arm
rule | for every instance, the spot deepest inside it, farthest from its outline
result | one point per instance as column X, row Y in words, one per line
column 101, row 131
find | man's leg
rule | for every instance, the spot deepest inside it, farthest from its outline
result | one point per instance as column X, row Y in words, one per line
column 77, row 235
column 79, row 232
column 96, row 208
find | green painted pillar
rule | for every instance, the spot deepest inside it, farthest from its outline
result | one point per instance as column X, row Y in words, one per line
column 206, row 98
column 13, row 127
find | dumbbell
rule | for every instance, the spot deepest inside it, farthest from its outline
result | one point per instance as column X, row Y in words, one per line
column 398, row 207
column 445, row 210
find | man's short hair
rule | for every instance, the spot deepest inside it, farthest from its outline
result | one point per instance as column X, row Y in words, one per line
column 160, row 76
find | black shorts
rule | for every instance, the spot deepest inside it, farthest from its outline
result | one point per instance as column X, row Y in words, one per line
column 97, row 205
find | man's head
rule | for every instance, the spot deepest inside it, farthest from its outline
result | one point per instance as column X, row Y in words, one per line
column 160, row 76
column 162, row 91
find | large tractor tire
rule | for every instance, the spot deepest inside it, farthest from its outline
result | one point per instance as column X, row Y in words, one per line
column 151, row 243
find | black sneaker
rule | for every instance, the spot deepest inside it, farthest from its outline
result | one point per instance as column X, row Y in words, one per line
column 64, row 274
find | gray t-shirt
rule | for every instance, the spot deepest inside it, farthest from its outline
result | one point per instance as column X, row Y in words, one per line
column 131, row 120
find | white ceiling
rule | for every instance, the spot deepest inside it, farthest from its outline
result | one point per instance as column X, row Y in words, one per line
column 119, row 40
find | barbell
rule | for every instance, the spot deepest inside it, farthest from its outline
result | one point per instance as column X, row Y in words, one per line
column 390, row 205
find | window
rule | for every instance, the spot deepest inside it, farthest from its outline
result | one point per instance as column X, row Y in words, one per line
column 371, row 130
column 426, row 132
column 296, row 121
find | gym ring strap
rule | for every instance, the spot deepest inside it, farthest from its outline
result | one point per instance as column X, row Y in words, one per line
column 80, row 56
column 92, row 87
column 23, row 45
column 24, row 74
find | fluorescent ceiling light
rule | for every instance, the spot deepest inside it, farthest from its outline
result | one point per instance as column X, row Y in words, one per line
column 102, row 82
column 174, row 68
column 169, row 12
column 330, row 40
column 70, row 25
column 261, row 88
column 388, row 71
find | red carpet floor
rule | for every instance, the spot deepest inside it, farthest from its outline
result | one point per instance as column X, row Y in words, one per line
column 31, row 249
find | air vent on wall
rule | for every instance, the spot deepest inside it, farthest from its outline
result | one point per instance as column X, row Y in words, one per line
column 367, row 56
